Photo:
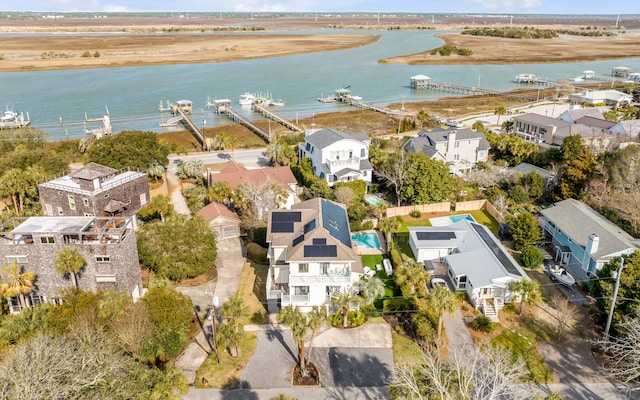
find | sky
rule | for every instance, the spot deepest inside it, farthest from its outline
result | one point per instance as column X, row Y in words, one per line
column 417, row 6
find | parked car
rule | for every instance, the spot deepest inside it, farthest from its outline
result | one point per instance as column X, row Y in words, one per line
column 439, row 282
column 454, row 123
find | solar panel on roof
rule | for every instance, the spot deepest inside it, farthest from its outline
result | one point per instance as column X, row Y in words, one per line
column 281, row 227
column 497, row 251
column 298, row 240
column 435, row 235
column 321, row 251
column 309, row 226
column 319, row 241
column 289, row 216
column 335, row 220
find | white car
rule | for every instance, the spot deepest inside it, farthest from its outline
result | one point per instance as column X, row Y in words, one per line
column 439, row 282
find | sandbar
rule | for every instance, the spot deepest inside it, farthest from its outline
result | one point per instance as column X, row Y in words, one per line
column 492, row 50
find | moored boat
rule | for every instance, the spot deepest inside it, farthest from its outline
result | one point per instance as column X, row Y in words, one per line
column 560, row 274
column 13, row 119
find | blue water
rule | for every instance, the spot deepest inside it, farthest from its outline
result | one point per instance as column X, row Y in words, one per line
column 461, row 217
column 132, row 94
column 368, row 240
column 373, row 200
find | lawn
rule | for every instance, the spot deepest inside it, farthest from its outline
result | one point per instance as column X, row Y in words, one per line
column 524, row 346
column 371, row 260
column 405, row 350
column 251, row 289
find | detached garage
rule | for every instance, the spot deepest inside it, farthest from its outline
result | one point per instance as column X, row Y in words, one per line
column 224, row 222
column 434, row 243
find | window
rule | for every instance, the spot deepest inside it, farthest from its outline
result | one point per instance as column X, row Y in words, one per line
column 103, row 259
column 18, row 259
column 486, row 291
column 60, row 212
column 363, row 153
column 49, row 209
column 47, row 239
column 88, row 215
column 106, row 195
column 456, row 144
column 456, row 157
column 303, row 268
column 72, row 202
column 324, row 267
column 143, row 199
column 85, row 201
column 301, row 290
column 105, row 278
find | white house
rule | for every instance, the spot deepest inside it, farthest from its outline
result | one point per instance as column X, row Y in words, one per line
column 583, row 239
column 310, row 254
column 337, row 156
column 476, row 261
column 460, row 148
column 609, row 97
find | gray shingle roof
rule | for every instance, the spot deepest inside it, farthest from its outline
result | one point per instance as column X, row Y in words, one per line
column 595, row 122
column 526, row 168
column 577, row 220
column 325, row 137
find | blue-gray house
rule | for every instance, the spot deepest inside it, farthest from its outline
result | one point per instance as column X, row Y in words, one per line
column 583, row 239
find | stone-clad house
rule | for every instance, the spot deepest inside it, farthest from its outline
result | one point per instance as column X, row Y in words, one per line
column 95, row 190
column 108, row 245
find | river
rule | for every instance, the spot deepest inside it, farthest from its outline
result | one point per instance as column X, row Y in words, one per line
column 132, row 94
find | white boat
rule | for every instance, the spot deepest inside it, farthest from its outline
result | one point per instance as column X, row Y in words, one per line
column 276, row 103
column 559, row 274
column 246, row 99
column 526, row 78
column 12, row 119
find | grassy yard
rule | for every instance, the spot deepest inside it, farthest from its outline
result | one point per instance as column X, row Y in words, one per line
column 371, row 260
column 251, row 289
column 523, row 345
column 405, row 350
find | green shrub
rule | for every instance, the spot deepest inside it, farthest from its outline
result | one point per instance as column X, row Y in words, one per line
column 367, row 225
column 399, row 330
column 415, row 214
column 531, row 257
column 396, row 258
column 482, row 324
column 355, row 319
column 256, row 253
column 399, row 304
column 509, row 308
column 260, row 236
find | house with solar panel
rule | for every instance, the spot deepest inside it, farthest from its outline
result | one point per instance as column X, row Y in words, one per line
column 475, row 260
column 310, row 254
column 337, row 156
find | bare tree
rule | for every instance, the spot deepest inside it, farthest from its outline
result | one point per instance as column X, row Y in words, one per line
column 622, row 353
column 133, row 327
column 345, row 195
column 259, row 199
column 394, row 172
column 563, row 313
column 468, row 373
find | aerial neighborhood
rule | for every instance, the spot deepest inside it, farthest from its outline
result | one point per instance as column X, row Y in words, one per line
column 480, row 244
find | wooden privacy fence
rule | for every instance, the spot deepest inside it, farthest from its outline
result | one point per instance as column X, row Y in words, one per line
column 445, row 206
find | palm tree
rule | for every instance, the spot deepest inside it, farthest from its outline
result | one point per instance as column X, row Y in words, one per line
column 342, row 301
column 219, row 192
column 69, row 261
column 528, row 289
column 371, row 289
column 228, row 336
column 444, row 302
column 159, row 205
column 293, row 317
column 412, row 278
column 193, row 168
column 234, row 308
column 220, row 141
column 232, row 143
column 500, row 110
column 18, row 283
column 155, row 170
column 316, row 318
column 273, row 152
column 14, row 183
column 388, row 226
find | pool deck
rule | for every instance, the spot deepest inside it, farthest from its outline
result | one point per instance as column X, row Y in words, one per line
column 359, row 250
column 446, row 220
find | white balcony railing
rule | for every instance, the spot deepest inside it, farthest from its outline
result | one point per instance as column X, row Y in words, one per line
column 293, row 299
column 348, row 161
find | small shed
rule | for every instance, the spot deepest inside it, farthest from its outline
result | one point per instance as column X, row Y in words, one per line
column 224, row 222
column 620, row 72
column 420, row 81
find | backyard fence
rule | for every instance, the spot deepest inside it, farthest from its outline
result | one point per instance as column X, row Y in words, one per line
column 443, row 207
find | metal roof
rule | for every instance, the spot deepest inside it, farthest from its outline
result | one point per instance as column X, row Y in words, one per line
column 322, row 138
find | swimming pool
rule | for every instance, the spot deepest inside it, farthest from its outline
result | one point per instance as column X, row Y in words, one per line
column 368, row 240
column 450, row 219
column 373, row 199
column 458, row 218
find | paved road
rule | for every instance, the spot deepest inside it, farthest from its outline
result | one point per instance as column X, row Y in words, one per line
column 252, row 158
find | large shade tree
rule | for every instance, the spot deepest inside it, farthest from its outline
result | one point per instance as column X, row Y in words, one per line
column 128, row 149
column 427, row 180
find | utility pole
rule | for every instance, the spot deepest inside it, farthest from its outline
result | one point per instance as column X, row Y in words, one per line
column 616, row 275
column 212, row 316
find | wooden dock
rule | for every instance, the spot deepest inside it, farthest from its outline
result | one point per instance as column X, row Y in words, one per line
column 467, row 90
column 275, row 117
column 188, row 122
column 358, row 103
column 233, row 116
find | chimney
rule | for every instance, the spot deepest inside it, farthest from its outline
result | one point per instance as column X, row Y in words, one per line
column 451, row 139
column 592, row 243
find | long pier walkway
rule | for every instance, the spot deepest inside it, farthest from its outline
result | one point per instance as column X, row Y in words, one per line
column 275, row 117
column 233, row 116
column 361, row 104
column 188, row 122
column 467, row 90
